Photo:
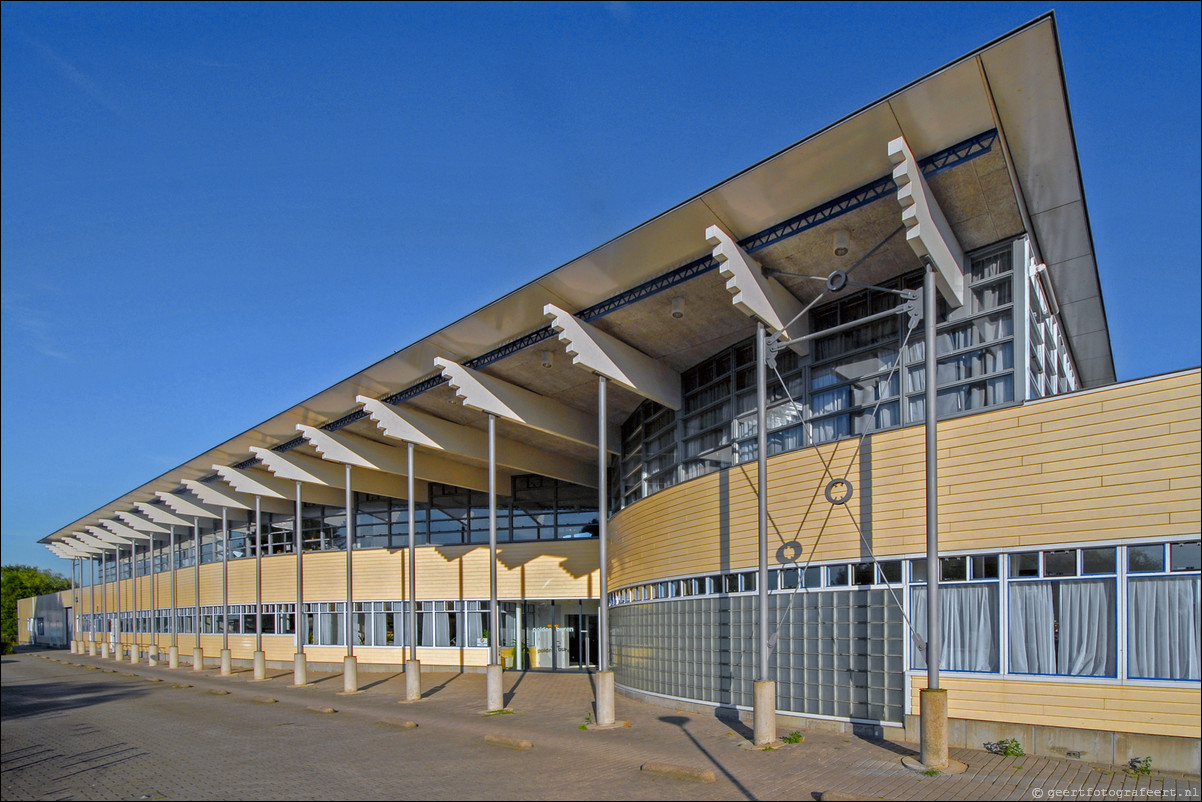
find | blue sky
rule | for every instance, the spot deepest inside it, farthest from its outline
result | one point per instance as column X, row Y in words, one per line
column 211, row 212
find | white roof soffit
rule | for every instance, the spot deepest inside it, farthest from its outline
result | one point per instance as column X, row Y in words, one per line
column 427, row 431
column 66, row 552
column 105, row 536
column 118, row 528
column 490, row 395
column 143, row 524
column 351, row 449
column 188, row 505
column 316, row 471
column 1020, row 71
column 215, row 496
column 161, row 513
column 595, row 350
column 84, row 548
column 279, row 495
column 927, row 229
column 753, row 293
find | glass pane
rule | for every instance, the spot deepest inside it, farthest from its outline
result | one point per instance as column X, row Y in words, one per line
column 984, row 566
column 1097, row 561
column 1024, row 564
column 953, row 569
column 1145, row 558
column 837, row 575
column 1186, row 556
column 1060, row 563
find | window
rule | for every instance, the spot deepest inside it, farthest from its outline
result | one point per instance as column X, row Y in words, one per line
column 1163, row 612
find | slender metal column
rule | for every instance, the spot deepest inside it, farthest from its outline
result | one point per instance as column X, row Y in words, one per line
column 761, row 383
column 300, row 596
column 104, row 593
column 133, row 591
column 933, row 631
column 350, row 537
column 412, row 553
column 117, row 569
column 154, row 609
column 494, row 654
column 92, row 595
column 74, row 606
column 196, row 574
column 602, row 520
column 225, row 579
column 174, row 614
column 258, row 573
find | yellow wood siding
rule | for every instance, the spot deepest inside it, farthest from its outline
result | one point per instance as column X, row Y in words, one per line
column 279, row 579
column 210, row 584
column 1090, row 706
column 242, row 582
column 1115, row 464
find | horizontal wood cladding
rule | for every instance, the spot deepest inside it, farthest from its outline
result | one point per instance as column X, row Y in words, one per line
column 1091, row 706
column 1116, row 463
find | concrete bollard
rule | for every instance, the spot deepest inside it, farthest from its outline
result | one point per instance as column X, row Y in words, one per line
column 605, row 698
column 135, row 652
column 260, row 666
column 413, row 680
column 74, row 647
column 300, row 670
column 227, row 663
column 764, row 713
column 496, row 695
column 152, row 655
column 350, row 675
column 198, row 659
column 173, row 657
column 104, row 650
column 91, row 648
column 932, row 708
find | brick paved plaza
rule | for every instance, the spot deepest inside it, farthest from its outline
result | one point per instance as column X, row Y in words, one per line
column 78, row 727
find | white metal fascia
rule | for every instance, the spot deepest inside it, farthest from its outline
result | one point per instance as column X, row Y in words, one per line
column 188, row 506
column 600, row 352
column 497, row 397
column 421, row 429
column 143, row 524
column 351, row 449
column 161, row 514
column 105, row 536
column 214, row 495
column 118, row 528
column 927, row 230
column 315, row 471
column 753, row 293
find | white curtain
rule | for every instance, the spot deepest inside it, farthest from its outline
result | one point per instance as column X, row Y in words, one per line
column 1032, row 628
column 1163, row 627
column 1087, row 628
column 968, row 641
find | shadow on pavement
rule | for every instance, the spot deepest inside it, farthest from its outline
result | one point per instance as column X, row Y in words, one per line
column 29, row 699
column 730, row 717
column 681, row 721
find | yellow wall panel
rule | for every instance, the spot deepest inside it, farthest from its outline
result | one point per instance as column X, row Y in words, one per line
column 279, row 579
column 1097, row 465
column 1121, row 708
column 242, row 582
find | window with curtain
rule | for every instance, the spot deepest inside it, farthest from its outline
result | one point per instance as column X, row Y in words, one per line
column 1063, row 627
column 1163, row 627
column 969, row 637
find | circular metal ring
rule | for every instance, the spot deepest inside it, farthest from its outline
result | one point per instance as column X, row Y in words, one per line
column 836, row 281
column 834, row 485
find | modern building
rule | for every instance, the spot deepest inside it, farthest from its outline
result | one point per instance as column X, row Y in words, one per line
column 1068, row 504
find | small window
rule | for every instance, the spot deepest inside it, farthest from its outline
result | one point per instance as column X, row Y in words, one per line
column 1060, row 563
column 863, row 574
column 891, row 572
column 1097, row 561
column 1186, row 556
column 749, row 579
column 953, row 569
column 1145, row 558
column 1026, row 564
column 837, row 576
column 789, row 578
column 812, row 578
column 730, row 583
column 984, row 566
column 918, row 570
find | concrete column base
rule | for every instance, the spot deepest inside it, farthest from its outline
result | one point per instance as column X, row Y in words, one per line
column 227, row 663
column 932, row 708
column 605, row 698
column 173, row 657
column 92, row 649
column 198, row 659
column 119, row 652
column 104, row 650
column 260, row 666
column 764, row 713
column 300, row 669
column 413, row 680
column 135, row 653
column 152, row 655
column 350, row 675
column 496, row 693
column 74, row 647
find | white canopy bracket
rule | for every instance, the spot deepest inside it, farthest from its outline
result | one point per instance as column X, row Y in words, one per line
column 927, row 230
column 753, row 293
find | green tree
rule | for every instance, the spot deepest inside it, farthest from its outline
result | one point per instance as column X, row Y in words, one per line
column 21, row 582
